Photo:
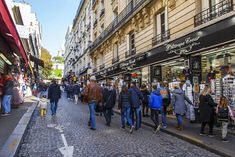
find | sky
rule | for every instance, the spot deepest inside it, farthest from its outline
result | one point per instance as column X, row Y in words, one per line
column 55, row 16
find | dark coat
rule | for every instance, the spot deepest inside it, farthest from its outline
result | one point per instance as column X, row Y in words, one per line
column 178, row 101
column 136, row 97
column 8, row 87
column 109, row 97
column 145, row 94
column 206, row 108
column 76, row 89
column 54, row 92
column 124, row 100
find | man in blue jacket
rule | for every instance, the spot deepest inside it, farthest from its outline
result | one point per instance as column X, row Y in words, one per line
column 136, row 98
column 155, row 106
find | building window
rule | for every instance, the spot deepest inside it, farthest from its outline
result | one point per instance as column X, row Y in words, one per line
column 130, row 44
column 115, row 53
column 161, row 27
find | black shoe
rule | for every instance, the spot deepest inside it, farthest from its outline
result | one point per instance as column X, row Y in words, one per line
column 93, row 129
column 144, row 115
column 108, row 124
column 89, row 124
column 123, row 128
column 225, row 140
column 147, row 115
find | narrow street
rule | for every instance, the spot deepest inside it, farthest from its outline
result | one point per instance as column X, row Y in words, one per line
column 47, row 135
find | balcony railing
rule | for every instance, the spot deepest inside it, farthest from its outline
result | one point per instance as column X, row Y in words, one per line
column 115, row 60
column 102, row 13
column 125, row 14
column 161, row 38
column 102, row 66
column 130, row 53
column 213, row 12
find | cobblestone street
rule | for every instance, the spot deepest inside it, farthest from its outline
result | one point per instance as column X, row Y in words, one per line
column 43, row 138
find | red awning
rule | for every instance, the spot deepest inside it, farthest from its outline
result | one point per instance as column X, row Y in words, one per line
column 9, row 32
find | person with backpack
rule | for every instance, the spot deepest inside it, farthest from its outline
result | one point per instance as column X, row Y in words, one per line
column 109, row 100
column 136, row 99
column 207, row 110
column 145, row 107
column 76, row 92
column 166, row 100
column 155, row 106
column 125, row 106
column 224, row 111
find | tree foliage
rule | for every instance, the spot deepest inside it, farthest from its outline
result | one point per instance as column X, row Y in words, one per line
column 58, row 59
column 46, row 57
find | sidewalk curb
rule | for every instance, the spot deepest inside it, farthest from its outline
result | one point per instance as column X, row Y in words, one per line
column 188, row 139
column 12, row 144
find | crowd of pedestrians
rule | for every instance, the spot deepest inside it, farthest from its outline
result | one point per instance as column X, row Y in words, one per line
column 130, row 100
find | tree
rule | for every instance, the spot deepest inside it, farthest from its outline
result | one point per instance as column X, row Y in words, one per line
column 58, row 59
column 46, row 57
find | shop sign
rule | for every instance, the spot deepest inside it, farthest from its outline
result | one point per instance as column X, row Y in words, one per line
column 184, row 47
column 130, row 62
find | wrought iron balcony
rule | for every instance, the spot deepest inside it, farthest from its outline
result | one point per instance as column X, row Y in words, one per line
column 119, row 21
column 102, row 13
column 130, row 53
column 161, row 38
column 213, row 12
column 115, row 60
column 102, row 66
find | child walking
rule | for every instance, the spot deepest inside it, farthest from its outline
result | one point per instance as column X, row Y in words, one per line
column 43, row 105
column 224, row 111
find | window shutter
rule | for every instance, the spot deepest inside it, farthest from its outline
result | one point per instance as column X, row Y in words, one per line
column 128, row 42
column 158, row 24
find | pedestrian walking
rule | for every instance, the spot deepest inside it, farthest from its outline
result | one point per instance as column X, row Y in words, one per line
column 43, row 105
column 93, row 95
column 109, row 100
column 224, row 111
column 54, row 94
column 71, row 91
column 125, row 106
column 136, row 98
column 77, row 91
column 178, row 102
column 166, row 100
column 7, row 91
column 207, row 110
column 145, row 107
column 155, row 106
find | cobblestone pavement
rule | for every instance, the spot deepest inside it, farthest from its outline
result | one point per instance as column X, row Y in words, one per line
column 44, row 140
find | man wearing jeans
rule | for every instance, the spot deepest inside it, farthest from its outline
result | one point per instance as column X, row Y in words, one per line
column 8, row 91
column 136, row 98
column 93, row 94
column 54, row 95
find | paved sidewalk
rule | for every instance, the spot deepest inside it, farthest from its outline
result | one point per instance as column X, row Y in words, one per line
column 9, row 123
column 190, row 133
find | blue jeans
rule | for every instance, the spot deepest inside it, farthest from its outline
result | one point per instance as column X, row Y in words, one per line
column 163, row 114
column 125, row 113
column 137, row 115
column 92, row 120
column 6, row 103
column 179, row 119
column 53, row 107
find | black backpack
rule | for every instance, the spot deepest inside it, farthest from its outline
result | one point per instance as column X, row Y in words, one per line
column 223, row 114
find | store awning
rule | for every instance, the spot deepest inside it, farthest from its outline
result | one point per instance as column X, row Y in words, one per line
column 36, row 60
column 9, row 32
